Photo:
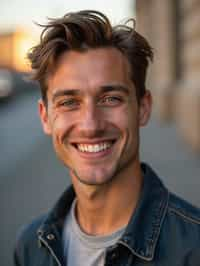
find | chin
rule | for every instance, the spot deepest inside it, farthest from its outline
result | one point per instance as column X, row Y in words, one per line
column 93, row 179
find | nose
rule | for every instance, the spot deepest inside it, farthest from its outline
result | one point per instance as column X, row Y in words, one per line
column 91, row 121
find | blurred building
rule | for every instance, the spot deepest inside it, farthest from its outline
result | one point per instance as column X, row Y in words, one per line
column 13, row 49
column 173, row 29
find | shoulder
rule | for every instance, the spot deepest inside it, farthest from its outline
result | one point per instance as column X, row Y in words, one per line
column 27, row 240
column 29, row 232
column 180, row 232
column 183, row 210
column 182, row 222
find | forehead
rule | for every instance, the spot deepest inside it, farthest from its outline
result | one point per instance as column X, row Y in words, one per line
column 92, row 69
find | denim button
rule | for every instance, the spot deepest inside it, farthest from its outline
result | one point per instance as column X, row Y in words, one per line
column 126, row 240
column 50, row 237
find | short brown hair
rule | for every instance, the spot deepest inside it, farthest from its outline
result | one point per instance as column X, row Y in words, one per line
column 84, row 30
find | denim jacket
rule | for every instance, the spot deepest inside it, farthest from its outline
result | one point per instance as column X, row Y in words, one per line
column 163, row 231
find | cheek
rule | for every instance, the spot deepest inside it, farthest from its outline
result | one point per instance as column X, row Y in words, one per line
column 60, row 127
column 130, row 126
column 125, row 118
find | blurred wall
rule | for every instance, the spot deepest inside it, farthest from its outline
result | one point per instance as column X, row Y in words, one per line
column 173, row 29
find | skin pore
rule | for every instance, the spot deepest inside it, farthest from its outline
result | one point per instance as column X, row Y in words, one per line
column 94, row 117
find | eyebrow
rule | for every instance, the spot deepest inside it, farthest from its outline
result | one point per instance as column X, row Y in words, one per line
column 65, row 92
column 104, row 89
column 115, row 87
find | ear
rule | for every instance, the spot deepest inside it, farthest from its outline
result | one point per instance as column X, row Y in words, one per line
column 43, row 112
column 145, row 108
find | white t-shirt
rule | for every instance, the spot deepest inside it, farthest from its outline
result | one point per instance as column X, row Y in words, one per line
column 81, row 249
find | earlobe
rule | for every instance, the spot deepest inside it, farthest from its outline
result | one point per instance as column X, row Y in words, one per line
column 145, row 108
column 43, row 113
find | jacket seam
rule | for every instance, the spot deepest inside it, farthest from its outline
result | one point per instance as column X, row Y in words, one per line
column 134, row 252
column 190, row 219
column 50, row 249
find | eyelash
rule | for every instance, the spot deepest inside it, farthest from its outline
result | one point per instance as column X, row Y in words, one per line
column 112, row 99
column 70, row 103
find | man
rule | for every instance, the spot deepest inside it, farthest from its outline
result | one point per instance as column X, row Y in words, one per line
column 94, row 101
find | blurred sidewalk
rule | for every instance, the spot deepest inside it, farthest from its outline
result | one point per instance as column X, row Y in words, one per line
column 178, row 167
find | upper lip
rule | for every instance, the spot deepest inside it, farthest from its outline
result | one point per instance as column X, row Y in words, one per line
column 92, row 141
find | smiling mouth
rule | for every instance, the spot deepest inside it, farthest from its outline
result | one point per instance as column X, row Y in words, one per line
column 94, row 148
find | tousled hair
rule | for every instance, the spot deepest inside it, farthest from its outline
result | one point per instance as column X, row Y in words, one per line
column 84, row 30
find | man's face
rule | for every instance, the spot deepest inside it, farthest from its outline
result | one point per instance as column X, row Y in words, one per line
column 93, row 115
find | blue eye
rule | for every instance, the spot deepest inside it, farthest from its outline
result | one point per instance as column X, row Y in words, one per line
column 111, row 100
column 69, row 103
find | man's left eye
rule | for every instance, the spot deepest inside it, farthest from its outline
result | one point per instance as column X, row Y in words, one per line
column 111, row 100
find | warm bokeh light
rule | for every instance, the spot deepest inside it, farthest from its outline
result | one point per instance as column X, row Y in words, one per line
column 24, row 41
column 13, row 49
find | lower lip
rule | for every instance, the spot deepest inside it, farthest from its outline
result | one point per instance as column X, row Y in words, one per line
column 90, row 155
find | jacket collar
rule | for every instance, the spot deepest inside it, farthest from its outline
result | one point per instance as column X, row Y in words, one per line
column 143, row 230
column 56, row 217
column 50, row 231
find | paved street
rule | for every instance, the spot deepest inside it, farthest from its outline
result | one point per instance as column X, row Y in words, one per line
column 31, row 178
column 166, row 152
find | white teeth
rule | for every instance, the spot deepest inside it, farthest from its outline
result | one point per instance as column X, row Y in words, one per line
column 94, row 148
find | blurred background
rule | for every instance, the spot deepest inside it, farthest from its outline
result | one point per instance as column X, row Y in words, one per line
column 31, row 177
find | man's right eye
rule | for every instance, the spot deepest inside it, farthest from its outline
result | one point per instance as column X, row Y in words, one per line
column 69, row 103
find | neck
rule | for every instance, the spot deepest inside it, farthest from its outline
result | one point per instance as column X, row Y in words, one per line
column 104, row 209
